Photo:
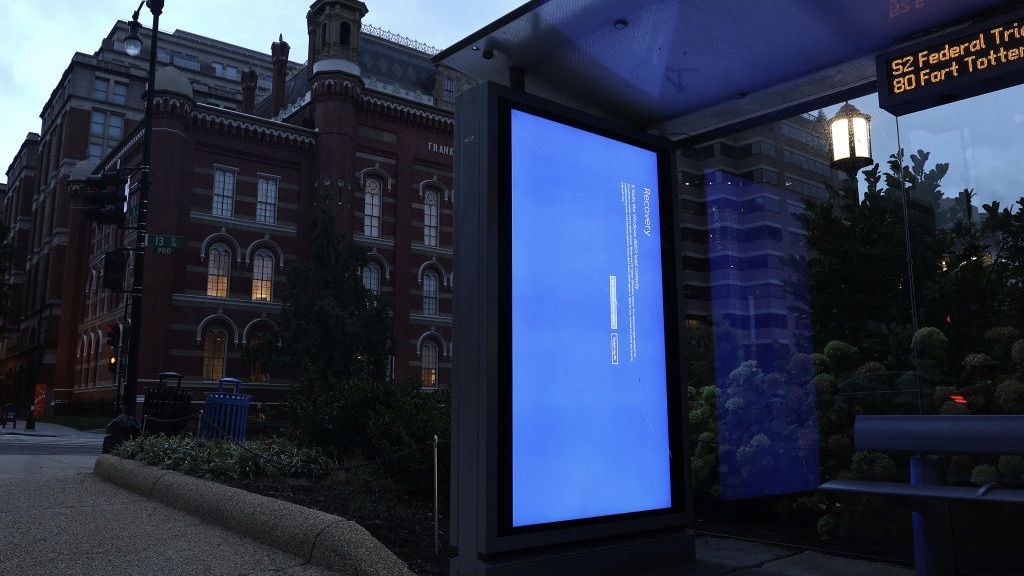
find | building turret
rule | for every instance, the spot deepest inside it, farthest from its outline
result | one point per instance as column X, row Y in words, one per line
column 335, row 86
column 334, row 27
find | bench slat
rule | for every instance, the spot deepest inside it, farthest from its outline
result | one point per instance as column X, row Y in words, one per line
column 964, row 434
column 995, row 494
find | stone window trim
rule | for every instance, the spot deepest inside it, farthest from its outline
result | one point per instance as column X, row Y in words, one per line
column 221, row 236
column 435, row 336
column 375, row 170
column 433, row 182
column 217, row 318
column 436, row 266
column 263, row 320
column 266, row 243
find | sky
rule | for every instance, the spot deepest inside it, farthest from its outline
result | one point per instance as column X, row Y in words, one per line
column 40, row 36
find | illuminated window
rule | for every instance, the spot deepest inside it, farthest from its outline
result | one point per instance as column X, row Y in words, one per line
column 430, row 217
column 371, row 277
column 430, row 293
column 266, row 201
column 371, row 206
column 215, row 344
column 223, row 192
column 262, row 275
column 428, row 361
column 218, row 270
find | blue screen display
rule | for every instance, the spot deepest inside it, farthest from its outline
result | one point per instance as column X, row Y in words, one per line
column 590, row 430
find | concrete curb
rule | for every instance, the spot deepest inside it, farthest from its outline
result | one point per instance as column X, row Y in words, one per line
column 317, row 537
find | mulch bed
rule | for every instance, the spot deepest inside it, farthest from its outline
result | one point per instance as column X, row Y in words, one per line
column 403, row 523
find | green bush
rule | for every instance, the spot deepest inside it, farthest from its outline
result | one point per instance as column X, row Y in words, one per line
column 984, row 474
column 1012, row 469
column 226, row 461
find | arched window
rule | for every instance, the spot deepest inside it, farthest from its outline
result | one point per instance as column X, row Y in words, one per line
column 345, row 33
column 371, row 206
column 371, row 277
column 218, row 270
column 430, row 215
column 262, row 275
column 323, row 35
column 257, row 367
column 428, row 363
column 215, row 344
column 430, row 293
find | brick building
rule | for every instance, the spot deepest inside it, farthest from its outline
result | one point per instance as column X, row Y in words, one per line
column 243, row 144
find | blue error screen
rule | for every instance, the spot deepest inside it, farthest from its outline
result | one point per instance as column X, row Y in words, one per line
column 589, row 415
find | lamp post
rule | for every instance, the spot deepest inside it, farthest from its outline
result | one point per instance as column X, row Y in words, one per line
column 133, row 47
column 851, row 140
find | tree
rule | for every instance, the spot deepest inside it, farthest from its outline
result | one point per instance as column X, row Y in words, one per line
column 335, row 340
column 857, row 263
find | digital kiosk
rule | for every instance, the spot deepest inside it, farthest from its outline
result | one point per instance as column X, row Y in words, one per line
column 569, row 450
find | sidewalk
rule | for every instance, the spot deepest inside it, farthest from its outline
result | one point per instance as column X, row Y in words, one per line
column 78, row 524
column 48, row 429
column 71, row 522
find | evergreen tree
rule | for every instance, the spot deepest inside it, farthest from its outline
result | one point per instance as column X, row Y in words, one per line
column 335, row 341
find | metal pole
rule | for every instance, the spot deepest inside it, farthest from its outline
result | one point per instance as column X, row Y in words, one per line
column 139, row 253
column 437, row 547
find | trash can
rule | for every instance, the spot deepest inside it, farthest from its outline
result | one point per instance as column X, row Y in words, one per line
column 226, row 414
column 167, row 410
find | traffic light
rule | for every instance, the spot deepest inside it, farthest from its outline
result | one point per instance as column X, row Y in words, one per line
column 112, row 366
column 114, row 335
column 102, row 196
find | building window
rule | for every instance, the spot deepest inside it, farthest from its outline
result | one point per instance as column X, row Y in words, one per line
column 371, row 206
column 215, row 345
column 105, row 131
column 430, row 293
column 266, row 201
column 344, row 33
column 217, row 271
column 110, row 91
column 371, row 277
column 223, row 192
column 430, row 208
column 428, row 361
column 448, row 95
column 257, row 367
column 262, row 275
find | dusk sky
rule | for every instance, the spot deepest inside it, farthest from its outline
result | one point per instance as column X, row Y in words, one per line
column 980, row 138
column 41, row 36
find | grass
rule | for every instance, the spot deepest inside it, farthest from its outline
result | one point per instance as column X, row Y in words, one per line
column 79, row 422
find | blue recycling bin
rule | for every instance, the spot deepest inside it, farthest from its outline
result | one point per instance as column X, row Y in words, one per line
column 226, row 414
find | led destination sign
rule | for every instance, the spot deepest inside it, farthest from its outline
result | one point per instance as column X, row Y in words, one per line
column 987, row 57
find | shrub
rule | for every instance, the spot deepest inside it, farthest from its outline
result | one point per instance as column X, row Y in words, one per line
column 984, row 474
column 1010, row 396
column 801, row 366
column 226, row 461
column 840, row 354
column 977, row 360
column 1012, row 469
column 931, row 342
column 1002, row 333
column 1017, row 352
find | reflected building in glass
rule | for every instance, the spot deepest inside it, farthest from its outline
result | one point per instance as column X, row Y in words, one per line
column 745, row 269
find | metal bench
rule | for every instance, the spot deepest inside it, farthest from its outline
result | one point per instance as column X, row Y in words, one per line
column 928, row 437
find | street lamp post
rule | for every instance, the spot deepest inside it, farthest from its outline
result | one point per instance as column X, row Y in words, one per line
column 851, row 140
column 133, row 47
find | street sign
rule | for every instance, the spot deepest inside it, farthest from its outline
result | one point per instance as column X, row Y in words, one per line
column 165, row 245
